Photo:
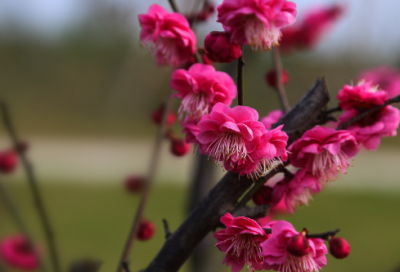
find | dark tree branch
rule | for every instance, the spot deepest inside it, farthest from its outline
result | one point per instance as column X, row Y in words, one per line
column 28, row 167
column 153, row 166
column 279, row 79
column 166, row 229
column 173, row 5
column 253, row 212
column 324, row 235
column 364, row 114
column 332, row 110
column 239, row 80
column 16, row 216
column 126, row 267
column 224, row 196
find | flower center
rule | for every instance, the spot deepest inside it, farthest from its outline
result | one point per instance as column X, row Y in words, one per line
column 327, row 166
column 164, row 49
column 245, row 244
column 299, row 264
column 264, row 166
column 194, row 105
column 226, row 145
column 258, row 36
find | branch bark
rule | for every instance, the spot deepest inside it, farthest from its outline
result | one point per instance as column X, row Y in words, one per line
column 224, row 196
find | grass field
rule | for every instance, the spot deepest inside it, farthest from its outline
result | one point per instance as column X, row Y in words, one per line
column 93, row 221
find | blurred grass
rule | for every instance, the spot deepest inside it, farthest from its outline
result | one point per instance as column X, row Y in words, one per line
column 93, row 221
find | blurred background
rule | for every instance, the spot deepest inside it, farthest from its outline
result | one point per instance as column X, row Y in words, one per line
column 81, row 92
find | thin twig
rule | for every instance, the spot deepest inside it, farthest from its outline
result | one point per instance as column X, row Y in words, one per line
column 126, row 266
column 16, row 216
column 27, row 165
column 332, row 110
column 324, row 235
column 153, row 166
column 166, row 229
column 364, row 114
column 173, row 6
column 239, row 80
column 279, row 82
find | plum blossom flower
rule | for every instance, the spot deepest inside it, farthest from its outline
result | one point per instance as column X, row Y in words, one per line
column 241, row 242
column 220, row 49
column 269, row 153
column 167, row 35
column 279, row 257
column 386, row 77
column 256, row 22
column 363, row 96
column 200, row 88
column 369, row 130
column 228, row 132
column 16, row 252
column 272, row 118
column 309, row 31
column 324, row 152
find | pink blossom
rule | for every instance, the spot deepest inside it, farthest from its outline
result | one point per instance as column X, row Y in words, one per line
column 256, row 22
column 269, row 153
column 16, row 252
column 363, row 96
column 387, row 78
column 167, row 35
column 324, row 151
column 309, row 31
column 241, row 242
column 300, row 188
column 228, row 132
column 278, row 258
column 200, row 88
column 271, row 118
column 220, row 49
column 369, row 130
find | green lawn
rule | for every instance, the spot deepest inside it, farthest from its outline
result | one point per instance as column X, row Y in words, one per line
column 93, row 221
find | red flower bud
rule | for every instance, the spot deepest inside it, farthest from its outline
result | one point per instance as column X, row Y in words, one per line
column 220, row 49
column 263, row 196
column 8, row 161
column 179, row 147
column 270, row 78
column 298, row 245
column 157, row 115
column 134, row 184
column 145, row 231
column 339, row 247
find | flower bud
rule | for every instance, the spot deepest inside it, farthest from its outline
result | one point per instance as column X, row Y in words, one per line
column 145, row 231
column 220, row 49
column 179, row 147
column 298, row 245
column 8, row 161
column 134, row 184
column 157, row 115
column 270, row 78
column 263, row 196
column 339, row 247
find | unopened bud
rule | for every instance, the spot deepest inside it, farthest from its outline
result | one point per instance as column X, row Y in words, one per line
column 270, row 78
column 134, row 184
column 8, row 161
column 263, row 196
column 157, row 115
column 146, row 231
column 298, row 245
column 220, row 49
column 179, row 147
column 339, row 247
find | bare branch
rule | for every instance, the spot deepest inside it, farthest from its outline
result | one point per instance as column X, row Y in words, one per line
column 279, row 79
column 239, row 80
column 166, row 229
column 324, row 235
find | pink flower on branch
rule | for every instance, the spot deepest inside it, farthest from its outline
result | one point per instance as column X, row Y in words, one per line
column 16, row 252
column 167, row 35
column 220, row 49
column 256, row 22
column 241, row 242
column 324, row 152
column 387, row 78
column 200, row 88
column 283, row 253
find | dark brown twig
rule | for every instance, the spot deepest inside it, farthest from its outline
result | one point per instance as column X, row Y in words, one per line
column 27, row 165
column 173, row 6
column 364, row 114
column 239, row 80
column 166, row 229
column 324, row 235
column 16, row 216
column 126, row 266
column 332, row 110
column 279, row 82
column 153, row 166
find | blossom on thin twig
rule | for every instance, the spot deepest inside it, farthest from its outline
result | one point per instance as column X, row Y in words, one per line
column 256, row 22
column 241, row 242
column 387, row 78
column 279, row 256
column 167, row 35
column 324, row 152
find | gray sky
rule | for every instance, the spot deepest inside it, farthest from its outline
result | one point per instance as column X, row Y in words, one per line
column 370, row 27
